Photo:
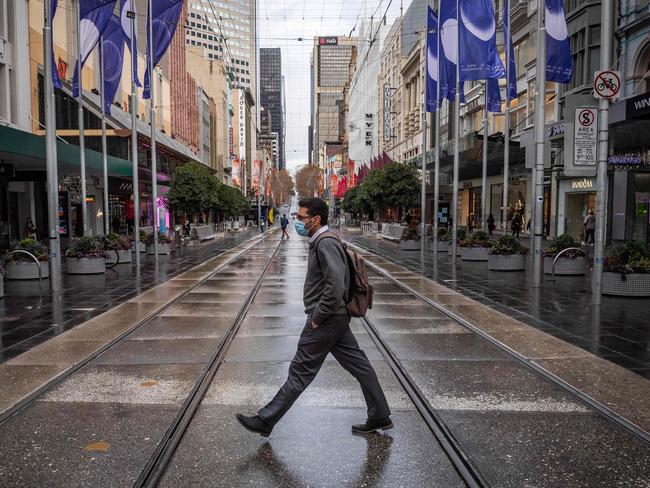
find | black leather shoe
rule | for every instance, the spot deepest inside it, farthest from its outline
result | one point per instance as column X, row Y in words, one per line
column 255, row 424
column 372, row 426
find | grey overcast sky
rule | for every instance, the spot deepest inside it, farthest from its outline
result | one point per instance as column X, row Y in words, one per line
column 282, row 22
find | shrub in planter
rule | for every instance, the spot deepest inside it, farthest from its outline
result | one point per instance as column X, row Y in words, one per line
column 444, row 237
column 22, row 267
column 627, row 270
column 164, row 244
column 410, row 240
column 85, row 256
column 506, row 254
column 116, row 246
column 475, row 247
column 461, row 235
column 570, row 263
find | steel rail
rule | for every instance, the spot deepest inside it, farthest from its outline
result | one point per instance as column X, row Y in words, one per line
column 464, row 465
column 589, row 401
column 26, row 401
column 158, row 462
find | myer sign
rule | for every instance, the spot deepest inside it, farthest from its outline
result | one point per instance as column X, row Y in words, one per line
column 242, row 126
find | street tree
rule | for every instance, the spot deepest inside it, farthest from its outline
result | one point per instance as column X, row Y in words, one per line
column 355, row 202
column 193, row 190
column 402, row 185
column 282, row 186
column 307, row 180
column 231, row 201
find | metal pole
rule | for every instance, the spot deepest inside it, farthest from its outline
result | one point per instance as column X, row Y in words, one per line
column 82, row 142
column 152, row 118
column 506, row 130
column 423, row 188
column 540, row 109
column 107, row 219
column 603, row 140
column 485, row 156
column 436, row 164
column 134, row 145
column 50, row 156
column 454, row 198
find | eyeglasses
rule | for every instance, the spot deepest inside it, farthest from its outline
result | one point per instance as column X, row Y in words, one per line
column 301, row 218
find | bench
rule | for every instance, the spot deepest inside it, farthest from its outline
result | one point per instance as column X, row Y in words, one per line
column 392, row 232
column 204, row 232
column 235, row 226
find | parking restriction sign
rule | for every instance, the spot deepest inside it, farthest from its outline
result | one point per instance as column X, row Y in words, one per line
column 585, row 136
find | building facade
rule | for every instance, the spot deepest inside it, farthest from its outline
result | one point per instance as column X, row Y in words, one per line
column 271, row 96
column 330, row 72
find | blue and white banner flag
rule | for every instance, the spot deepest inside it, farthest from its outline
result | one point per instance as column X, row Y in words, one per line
column 165, row 17
column 112, row 59
column 128, row 10
column 493, row 95
column 479, row 58
column 55, row 69
column 448, row 50
column 559, row 65
column 432, row 61
column 511, row 90
column 93, row 19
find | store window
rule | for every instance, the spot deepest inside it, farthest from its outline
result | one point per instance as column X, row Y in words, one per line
column 641, row 211
column 516, row 199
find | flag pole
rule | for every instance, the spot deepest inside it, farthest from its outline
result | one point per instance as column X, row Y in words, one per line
column 506, row 128
column 423, row 186
column 603, row 138
column 82, row 142
column 436, row 164
column 454, row 198
column 152, row 111
column 134, row 140
column 50, row 155
column 485, row 161
column 104, row 155
column 538, row 173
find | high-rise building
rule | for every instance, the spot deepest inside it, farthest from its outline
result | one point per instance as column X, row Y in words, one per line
column 271, row 95
column 226, row 30
column 330, row 65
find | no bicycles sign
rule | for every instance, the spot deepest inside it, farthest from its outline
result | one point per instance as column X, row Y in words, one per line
column 607, row 84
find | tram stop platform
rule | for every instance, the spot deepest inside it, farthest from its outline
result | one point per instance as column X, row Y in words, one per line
column 145, row 394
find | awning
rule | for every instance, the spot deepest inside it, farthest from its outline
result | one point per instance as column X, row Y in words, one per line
column 26, row 151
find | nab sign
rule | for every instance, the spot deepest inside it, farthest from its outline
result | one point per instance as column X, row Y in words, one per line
column 328, row 41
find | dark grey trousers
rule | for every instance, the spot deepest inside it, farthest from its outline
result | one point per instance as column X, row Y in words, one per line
column 336, row 337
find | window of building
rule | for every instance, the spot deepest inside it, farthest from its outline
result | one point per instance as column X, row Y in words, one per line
column 578, row 49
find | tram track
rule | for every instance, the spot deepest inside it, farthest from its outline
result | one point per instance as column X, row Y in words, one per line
column 576, row 393
column 57, row 380
column 158, row 462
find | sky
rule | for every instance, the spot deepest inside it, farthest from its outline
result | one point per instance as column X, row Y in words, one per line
column 282, row 23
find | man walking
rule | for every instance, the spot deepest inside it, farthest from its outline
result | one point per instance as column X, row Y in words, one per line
column 327, row 329
column 590, row 228
column 284, row 223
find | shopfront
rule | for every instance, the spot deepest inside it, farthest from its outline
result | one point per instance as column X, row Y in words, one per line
column 517, row 191
column 576, row 197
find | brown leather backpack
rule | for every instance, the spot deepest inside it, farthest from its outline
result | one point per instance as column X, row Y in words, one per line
column 361, row 292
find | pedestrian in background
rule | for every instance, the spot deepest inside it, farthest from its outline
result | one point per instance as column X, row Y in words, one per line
column 30, row 229
column 516, row 225
column 590, row 228
column 327, row 329
column 284, row 223
column 490, row 224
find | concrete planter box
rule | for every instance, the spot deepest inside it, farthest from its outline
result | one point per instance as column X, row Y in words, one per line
column 165, row 248
column 512, row 262
column 141, row 245
column 565, row 266
column 458, row 249
column 125, row 257
column 474, row 253
column 442, row 246
column 84, row 265
column 635, row 284
column 410, row 245
column 24, row 270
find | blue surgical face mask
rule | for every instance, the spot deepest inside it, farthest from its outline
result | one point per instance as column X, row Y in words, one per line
column 300, row 228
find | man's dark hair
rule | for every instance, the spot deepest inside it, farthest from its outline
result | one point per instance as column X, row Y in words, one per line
column 315, row 206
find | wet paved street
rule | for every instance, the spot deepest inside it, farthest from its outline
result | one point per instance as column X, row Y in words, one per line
column 102, row 424
column 617, row 332
column 26, row 320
